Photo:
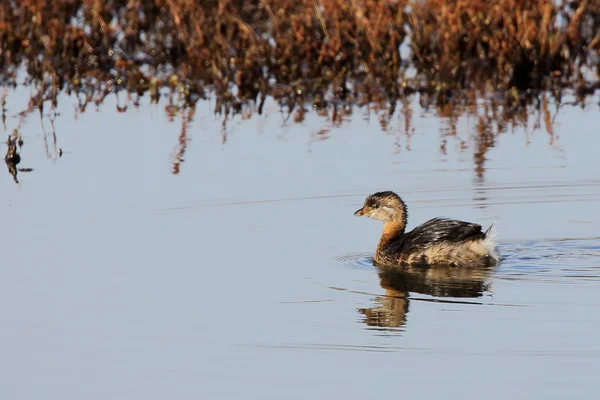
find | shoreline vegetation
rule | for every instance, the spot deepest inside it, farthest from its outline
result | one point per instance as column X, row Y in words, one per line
column 325, row 55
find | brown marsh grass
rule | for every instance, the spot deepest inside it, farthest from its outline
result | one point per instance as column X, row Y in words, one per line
column 327, row 55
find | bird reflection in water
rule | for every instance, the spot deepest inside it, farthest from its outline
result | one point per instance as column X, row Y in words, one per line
column 450, row 282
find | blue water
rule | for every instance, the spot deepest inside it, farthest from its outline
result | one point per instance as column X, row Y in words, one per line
column 247, row 276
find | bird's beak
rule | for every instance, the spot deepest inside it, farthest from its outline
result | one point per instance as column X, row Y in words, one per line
column 360, row 212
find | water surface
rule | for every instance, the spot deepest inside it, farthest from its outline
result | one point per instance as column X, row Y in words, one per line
column 246, row 275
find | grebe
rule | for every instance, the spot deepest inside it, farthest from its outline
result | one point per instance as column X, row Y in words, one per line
column 439, row 241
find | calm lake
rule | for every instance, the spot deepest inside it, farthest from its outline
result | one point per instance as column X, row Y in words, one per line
column 246, row 275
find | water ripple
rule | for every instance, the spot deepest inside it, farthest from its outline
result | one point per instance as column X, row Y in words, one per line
column 557, row 260
column 356, row 260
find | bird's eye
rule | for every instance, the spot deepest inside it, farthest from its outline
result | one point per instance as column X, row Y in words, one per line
column 375, row 205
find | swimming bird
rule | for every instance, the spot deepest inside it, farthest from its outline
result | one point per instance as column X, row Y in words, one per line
column 439, row 241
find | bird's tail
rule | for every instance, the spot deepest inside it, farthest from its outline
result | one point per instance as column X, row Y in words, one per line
column 491, row 243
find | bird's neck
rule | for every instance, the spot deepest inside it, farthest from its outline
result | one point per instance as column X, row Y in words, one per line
column 391, row 230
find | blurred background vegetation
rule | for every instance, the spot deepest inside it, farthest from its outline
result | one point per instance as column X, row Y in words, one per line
column 327, row 55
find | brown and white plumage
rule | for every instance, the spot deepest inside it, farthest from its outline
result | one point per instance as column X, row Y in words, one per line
column 439, row 241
